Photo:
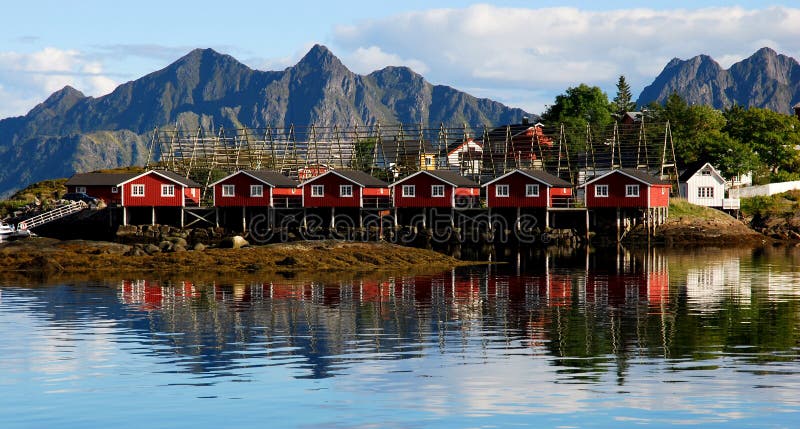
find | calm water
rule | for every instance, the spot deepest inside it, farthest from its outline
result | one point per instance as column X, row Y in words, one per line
column 570, row 339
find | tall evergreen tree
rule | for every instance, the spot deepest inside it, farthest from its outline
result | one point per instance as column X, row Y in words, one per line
column 622, row 102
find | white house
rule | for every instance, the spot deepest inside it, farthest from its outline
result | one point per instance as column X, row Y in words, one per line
column 702, row 184
column 465, row 157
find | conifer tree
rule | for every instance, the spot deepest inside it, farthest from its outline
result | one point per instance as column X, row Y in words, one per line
column 622, row 102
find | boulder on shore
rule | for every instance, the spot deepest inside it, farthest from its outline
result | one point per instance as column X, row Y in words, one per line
column 235, row 242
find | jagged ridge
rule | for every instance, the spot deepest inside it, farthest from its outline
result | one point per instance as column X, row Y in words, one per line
column 766, row 79
column 70, row 132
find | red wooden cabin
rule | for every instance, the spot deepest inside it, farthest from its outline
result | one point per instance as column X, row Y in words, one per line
column 436, row 189
column 159, row 188
column 345, row 188
column 256, row 188
column 99, row 185
column 626, row 188
column 527, row 188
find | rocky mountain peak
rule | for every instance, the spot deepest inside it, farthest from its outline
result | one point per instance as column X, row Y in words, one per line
column 60, row 101
column 320, row 57
column 766, row 79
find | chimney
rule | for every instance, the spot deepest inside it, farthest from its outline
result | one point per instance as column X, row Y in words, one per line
column 797, row 110
column 525, row 118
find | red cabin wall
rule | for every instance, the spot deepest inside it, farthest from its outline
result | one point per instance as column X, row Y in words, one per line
column 616, row 192
column 241, row 193
column 192, row 194
column 422, row 197
column 659, row 195
column 558, row 193
column 516, row 193
column 331, row 196
column 152, row 192
column 102, row 192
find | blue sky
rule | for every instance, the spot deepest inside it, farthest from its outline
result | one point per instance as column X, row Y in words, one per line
column 522, row 53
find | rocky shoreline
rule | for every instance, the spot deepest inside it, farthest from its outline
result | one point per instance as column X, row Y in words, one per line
column 693, row 231
column 49, row 257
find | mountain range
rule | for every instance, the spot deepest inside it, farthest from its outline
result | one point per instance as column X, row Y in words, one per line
column 766, row 79
column 70, row 132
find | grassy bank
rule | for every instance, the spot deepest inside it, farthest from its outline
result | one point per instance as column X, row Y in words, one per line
column 690, row 224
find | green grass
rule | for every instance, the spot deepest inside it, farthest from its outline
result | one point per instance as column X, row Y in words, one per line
column 679, row 207
column 786, row 204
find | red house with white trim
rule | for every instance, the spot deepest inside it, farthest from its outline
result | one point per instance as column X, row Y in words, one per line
column 527, row 188
column 159, row 188
column 345, row 188
column 435, row 189
column 99, row 185
column 257, row 188
column 626, row 188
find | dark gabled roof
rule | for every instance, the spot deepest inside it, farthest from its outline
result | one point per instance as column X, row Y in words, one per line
column 177, row 178
column 639, row 175
column 691, row 170
column 642, row 176
column 539, row 175
column 547, row 178
column 446, row 176
column 359, row 177
column 453, row 177
column 273, row 178
column 99, row 179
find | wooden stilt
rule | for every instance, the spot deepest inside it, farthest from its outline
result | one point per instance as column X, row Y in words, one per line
column 587, row 226
column 153, row 216
column 244, row 219
column 124, row 215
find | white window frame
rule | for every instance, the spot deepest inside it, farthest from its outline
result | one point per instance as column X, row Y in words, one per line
column 317, row 191
column 437, row 191
column 137, row 190
column 601, row 191
column 80, row 189
column 346, row 191
column 257, row 191
column 228, row 191
column 114, row 190
column 705, row 192
column 532, row 190
column 501, row 191
column 167, row 190
column 409, row 191
column 629, row 191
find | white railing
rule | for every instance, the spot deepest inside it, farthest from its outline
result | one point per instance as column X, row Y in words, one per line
column 51, row 215
column 764, row 190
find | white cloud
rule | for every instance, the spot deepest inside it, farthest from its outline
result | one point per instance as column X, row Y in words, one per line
column 365, row 60
column 549, row 50
column 29, row 78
